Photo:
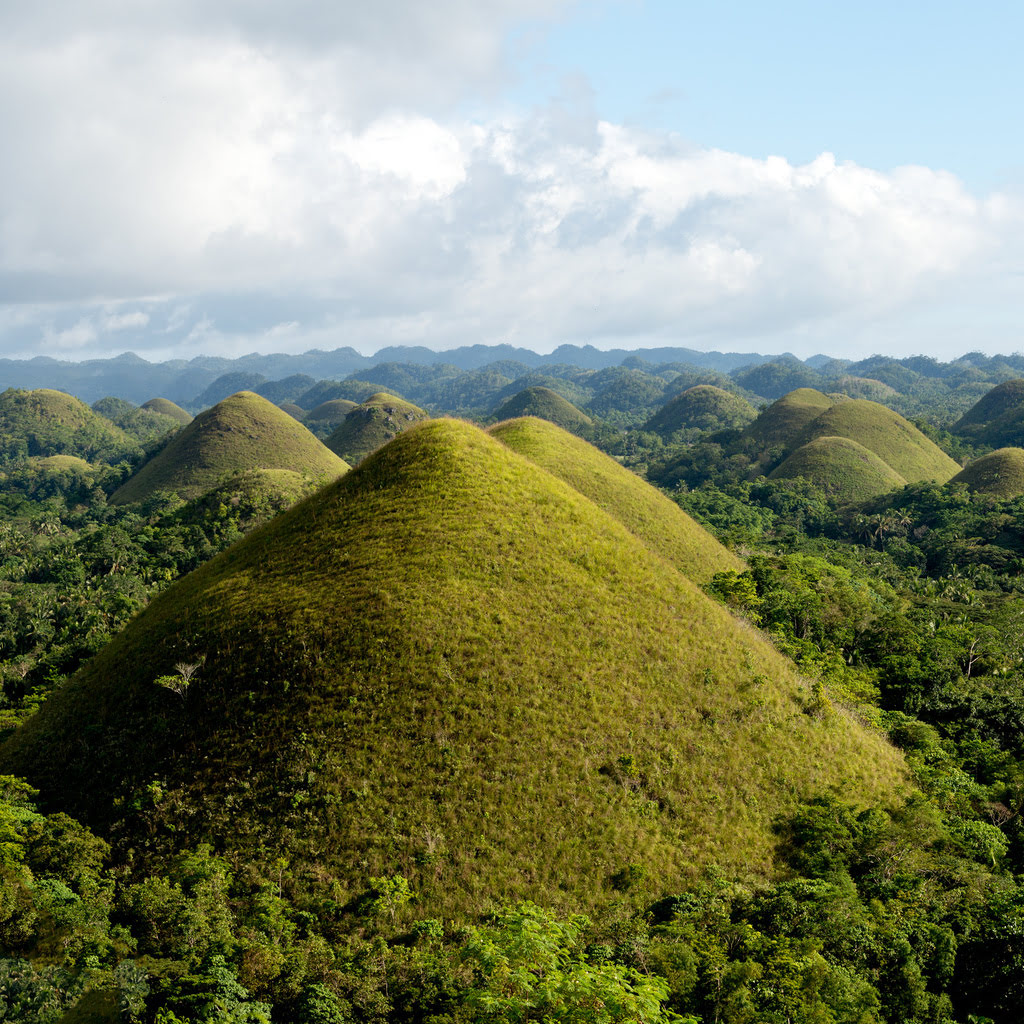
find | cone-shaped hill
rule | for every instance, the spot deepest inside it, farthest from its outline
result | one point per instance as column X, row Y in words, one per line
column 324, row 418
column 45, row 422
column 452, row 665
column 1000, row 473
column 165, row 407
column 372, row 424
column 240, row 433
column 703, row 407
column 844, row 469
column 785, row 420
column 997, row 418
column 653, row 517
column 896, row 441
column 545, row 404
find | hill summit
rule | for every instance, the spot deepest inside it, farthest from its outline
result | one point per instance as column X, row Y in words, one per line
column 999, row 473
column 452, row 666
column 243, row 432
column 371, row 424
column 702, row 407
column 545, row 404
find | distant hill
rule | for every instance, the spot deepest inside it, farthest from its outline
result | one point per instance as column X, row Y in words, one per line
column 782, row 375
column 323, row 419
column 165, row 407
column 452, row 666
column 896, row 441
column 46, row 422
column 372, row 424
column 143, row 425
column 864, row 387
column 228, row 384
column 783, row 423
column 293, row 410
column 354, row 391
column 1000, row 473
column 846, row 470
column 243, row 432
column 644, row 510
column 547, row 405
column 704, row 408
column 997, row 418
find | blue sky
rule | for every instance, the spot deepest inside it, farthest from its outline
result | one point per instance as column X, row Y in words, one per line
column 230, row 176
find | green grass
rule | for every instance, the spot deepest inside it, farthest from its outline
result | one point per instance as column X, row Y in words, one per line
column 165, row 407
column 241, row 433
column 62, row 463
column 293, row 410
column 1000, row 473
column 865, row 387
column 451, row 665
column 333, row 411
column 547, row 405
column 784, row 421
column 1006, row 399
column 372, row 424
column 846, row 470
column 897, row 442
column 143, row 425
column 703, row 407
column 647, row 513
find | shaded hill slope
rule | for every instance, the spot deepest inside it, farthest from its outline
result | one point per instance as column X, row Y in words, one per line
column 372, row 424
column 243, row 432
column 545, row 404
column 846, row 470
column 165, row 407
column 1000, row 473
column 896, row 441
column 782, row 424
column 703, row 407
column 450, row 665
column 997, row 418
column 647, row 513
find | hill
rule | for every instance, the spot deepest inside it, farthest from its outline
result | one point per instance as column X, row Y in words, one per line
column 784, row 421
column 449, row 665
column 846, row 470
column 864, row 387
column 165, row 407
column 1000, row 473
column 896, row 441
column 647, row 513
column 143, row 425
column 242, row 432
column 545, row 404
column 45, row 422
column 704, row 408
column 372, row 424
column 997, row 418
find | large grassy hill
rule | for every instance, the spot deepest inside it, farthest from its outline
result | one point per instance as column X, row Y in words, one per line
column 784, row 421
column 547, row 405
column 45, row 422
column 451, row 665
column 165, row 407
column 372, row 424
column 703, row 407
column 242, row 432
column 846, row 470
column 997, row 418
column 1000, row 473
column 896, row 441
column 657, row 520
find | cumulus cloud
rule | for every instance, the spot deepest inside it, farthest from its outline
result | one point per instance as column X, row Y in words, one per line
column 239, row 175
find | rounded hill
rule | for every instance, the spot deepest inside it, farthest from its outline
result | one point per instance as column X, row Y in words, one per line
column 324, row 418
column 997, row 418
column 452, row 666
column 647, row 513
column 896, row 441
column 703, row 407
column 1000, row 473
column 784, row 421
column 242, row 432
column 844, row 469
column 372, row 424
column 165, row 407
column 545, row 404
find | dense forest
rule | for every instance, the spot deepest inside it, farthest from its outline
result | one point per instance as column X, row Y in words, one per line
column 643, row 692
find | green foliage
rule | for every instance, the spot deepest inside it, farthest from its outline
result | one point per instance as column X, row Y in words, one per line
column 371, row 425
column 701, row 409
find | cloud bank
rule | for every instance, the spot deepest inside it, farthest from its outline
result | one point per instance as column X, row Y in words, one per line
column 183, row 178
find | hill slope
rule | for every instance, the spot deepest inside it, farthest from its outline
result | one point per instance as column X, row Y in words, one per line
column 703, row 407
column 1000, row 473
column 451, row 665
column 165, row 407
column 647, row 513
column 545, row 404
column 242, row 432
column 997, row 418
column 896, row 441
column 846, row 470
column 784, row 421
column 372, row 424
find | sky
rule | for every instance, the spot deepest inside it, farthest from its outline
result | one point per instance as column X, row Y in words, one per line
column 192, row 177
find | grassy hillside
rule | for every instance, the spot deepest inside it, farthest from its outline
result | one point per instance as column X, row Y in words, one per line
column 784, row 421
column 450, row 665
column 241, row 433
column 647, row 513
column 897, row 442
column 1000, row 473
column 142, row 425
column 845, row 469
column 547, row 405
column 372, row 424
column 45, row 422
column 703, row 407
column 165, row 407
column 333, row 411
column 293, row 410
column 1004, row 400
column 865, row 387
